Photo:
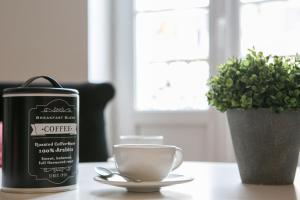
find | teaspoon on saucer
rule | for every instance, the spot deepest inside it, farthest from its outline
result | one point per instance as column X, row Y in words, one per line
column 106, row 173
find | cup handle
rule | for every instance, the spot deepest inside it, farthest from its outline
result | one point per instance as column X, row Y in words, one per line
column 178, row 158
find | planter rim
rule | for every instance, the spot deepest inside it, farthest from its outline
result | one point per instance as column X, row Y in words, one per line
column 263, row 109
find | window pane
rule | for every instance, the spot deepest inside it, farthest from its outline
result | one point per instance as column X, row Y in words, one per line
column 142, row 5
column 171, row 35
column 175, row 86
column 171, row 52
column 273, row 27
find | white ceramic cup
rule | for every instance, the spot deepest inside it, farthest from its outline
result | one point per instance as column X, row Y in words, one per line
column 147, row 162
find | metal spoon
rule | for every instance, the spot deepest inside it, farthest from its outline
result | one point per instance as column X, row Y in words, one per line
column 106, row 173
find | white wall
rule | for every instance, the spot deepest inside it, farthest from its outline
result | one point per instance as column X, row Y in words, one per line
column 46, row 37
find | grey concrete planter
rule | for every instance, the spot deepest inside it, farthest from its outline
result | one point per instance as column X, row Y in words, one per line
column 266, row 145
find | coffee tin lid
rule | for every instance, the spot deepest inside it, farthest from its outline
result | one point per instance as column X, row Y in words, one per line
column 31, row 90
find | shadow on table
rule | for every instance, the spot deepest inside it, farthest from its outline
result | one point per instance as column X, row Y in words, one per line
column 268, row 191
column 119, row 194
column 6, row 195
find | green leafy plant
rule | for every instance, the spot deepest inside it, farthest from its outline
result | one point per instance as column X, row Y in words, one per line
column 256, row 81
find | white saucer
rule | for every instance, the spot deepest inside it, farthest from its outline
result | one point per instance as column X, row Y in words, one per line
column 147, row 186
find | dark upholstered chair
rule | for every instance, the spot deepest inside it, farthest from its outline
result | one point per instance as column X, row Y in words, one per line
column 93, row 100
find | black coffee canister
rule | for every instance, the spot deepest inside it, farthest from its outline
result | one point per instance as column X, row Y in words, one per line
column 40, row 140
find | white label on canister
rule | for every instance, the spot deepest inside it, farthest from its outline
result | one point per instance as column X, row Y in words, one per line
column 52, row 141
column 53, row 129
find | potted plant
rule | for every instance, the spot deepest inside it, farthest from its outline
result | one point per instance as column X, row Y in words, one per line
column 261, row 97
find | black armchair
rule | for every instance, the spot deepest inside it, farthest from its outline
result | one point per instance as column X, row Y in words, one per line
column 93, row 100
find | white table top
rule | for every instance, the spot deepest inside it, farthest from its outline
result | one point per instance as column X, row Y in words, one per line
column 213, row 181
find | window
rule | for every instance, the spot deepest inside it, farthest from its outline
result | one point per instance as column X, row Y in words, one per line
column 171, row 54
column 176, row 43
